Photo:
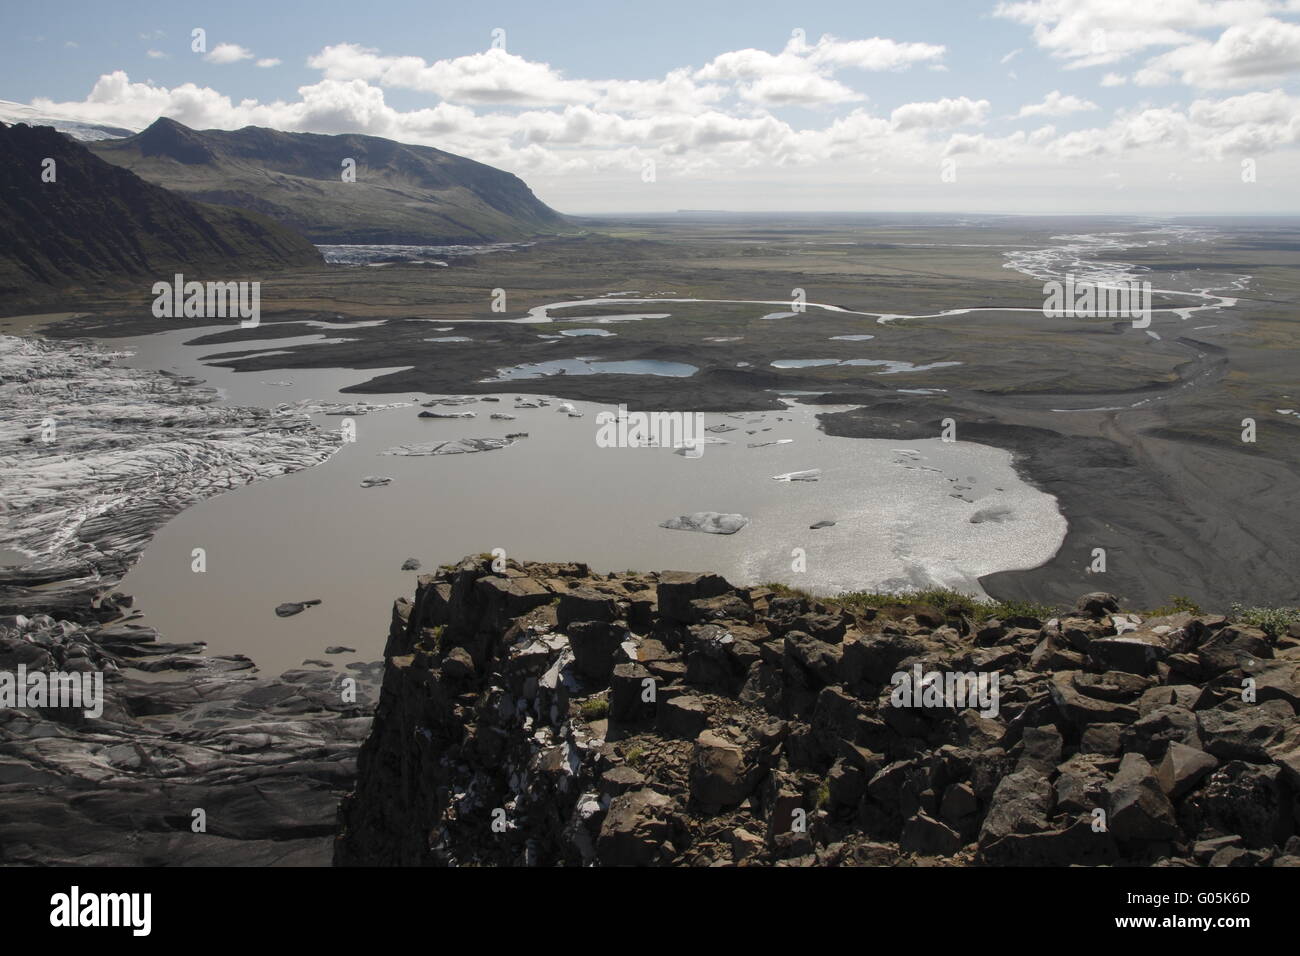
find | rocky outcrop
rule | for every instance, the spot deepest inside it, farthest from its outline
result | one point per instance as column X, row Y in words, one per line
column 544, row 715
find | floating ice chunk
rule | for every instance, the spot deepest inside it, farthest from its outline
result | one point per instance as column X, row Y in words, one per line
column 691, row 450
column 458, row 446
column 812, row 474
column 710, row 522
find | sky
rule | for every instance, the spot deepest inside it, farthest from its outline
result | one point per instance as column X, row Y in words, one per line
column 1145, row 107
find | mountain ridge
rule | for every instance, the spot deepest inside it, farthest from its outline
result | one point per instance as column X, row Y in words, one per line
column 403, row 194
column 99, row 223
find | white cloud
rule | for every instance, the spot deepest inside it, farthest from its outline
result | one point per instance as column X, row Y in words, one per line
column 876, row 54
column 1114, row 79
column 940, row 113
column 1263, row 51
column 797, row 90
column 677, row 92
column 157, row 55
column 1056, row 104
column 802, row 74
column 1092, row 32
column 799, row 75
column 491, row 77
column 1203, row 43
column 227, row 53
column 268, row 62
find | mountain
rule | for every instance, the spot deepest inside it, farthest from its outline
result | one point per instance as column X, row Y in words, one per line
column 401, row 194
column 98, row 222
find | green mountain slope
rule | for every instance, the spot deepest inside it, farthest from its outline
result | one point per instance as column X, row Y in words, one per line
column 100, row 223
column 402, row 194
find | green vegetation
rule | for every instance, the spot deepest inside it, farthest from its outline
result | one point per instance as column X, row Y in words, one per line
column 635, row 756
column 1178, row 604
column 594, row 708
column 431, row 640
column 944, row 599
column 1273, row 621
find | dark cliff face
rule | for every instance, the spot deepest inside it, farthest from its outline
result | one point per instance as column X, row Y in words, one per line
column 545, row 715
column 401, row 193
column 98, row 222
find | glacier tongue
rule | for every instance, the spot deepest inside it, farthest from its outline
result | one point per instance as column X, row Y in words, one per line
column 97, row 456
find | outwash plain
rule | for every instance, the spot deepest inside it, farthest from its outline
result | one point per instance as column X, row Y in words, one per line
column 1137, row 432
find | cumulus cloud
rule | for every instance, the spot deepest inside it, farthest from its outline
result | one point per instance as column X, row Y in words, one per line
column 875, row 55
column 676, row 92
column 227, row 53
column 492, row 77
column 803, row 74
column 1203, row 43
column 798, row 90
column 940, row 114
column 1263, row 51
column 268, row 62
column 1056, row 104
column 1092, row 32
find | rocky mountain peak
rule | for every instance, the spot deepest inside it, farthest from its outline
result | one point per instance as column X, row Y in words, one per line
column 171, row 140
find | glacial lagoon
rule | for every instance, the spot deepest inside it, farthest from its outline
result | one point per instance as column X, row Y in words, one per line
column 906, row 514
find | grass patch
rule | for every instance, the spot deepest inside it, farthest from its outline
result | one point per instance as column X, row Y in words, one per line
column 1178, row 604
column 594, row 708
